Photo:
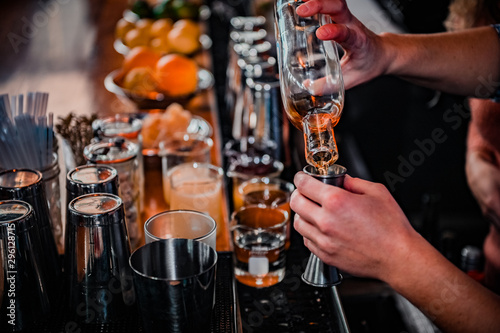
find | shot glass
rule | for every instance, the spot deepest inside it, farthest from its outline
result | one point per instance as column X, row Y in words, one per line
column 175, row 285
column 258, row 234
column 272, row 192
column 186, row 224
column 182, row 148
column 198, row 187
column 246, row 167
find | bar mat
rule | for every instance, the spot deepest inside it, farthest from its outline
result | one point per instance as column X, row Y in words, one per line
column 224, row 316
column 291, row 305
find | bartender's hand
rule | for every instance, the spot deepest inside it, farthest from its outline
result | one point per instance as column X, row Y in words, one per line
column 359, row 229
column 484, row 181
column 364, row 57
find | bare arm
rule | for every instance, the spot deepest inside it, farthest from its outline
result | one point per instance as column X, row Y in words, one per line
column 466, row 62
column 363, row 231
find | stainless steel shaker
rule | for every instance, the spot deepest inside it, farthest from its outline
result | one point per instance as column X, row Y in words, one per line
column 27, row 185
column 91, row 178
column 98, row 278
column 23, row 284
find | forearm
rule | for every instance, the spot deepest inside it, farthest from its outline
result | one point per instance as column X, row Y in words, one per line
column 464, row 63
column 454, row 301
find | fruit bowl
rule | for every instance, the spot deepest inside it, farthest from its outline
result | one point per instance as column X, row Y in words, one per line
column 155, row 99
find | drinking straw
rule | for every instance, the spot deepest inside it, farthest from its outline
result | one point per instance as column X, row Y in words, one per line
column 30, row 102
column 50, row 133
column 26, row 133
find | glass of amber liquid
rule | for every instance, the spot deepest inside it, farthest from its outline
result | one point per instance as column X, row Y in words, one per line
column 271, row 192
column 258, row 234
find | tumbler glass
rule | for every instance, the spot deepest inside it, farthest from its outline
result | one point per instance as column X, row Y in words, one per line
column 258, row 234
column 182, row 148
column 187, row 224
column 198, row 187
column 272, row 192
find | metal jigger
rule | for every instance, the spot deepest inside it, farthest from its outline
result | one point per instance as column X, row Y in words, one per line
column 317, row 273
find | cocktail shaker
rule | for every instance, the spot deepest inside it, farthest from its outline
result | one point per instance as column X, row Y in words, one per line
column 27, row 185
column 23, row 283
column 98, row 278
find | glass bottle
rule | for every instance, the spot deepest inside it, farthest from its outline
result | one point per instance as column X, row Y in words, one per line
column 312, row 86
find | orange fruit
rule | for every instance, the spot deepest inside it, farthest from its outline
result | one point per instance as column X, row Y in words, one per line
column 183, row 42
column 161, row 27
column 177, row 75
column 144, row 25
column 122, row 27
column 140, row 56
column 135, row 37
column 188, row 27
column 160, row 45
column 140, row 79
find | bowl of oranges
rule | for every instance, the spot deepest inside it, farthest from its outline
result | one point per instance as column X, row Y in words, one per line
column 154, row 81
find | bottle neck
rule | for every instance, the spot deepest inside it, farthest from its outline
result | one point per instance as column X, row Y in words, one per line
column 320, row 145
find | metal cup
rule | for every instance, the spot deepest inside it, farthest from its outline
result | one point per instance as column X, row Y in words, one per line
column 98, row 277
column 317, row 273
column 175, row 283
column 23, row 284
column 91, row 178
column 27, row 185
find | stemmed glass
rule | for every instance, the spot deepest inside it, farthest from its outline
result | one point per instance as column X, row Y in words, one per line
column 312, row 87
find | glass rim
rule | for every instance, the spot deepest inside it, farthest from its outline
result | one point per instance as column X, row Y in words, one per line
column 242, row 226
column 29, row 210
column 278, row 165
column 135, row 124
column 179, row 278
column 267, row 181
column 175, row 212
column 194, row 165
column 117, row 199
column 112, row 170
column 165, row 151
column 37, row 181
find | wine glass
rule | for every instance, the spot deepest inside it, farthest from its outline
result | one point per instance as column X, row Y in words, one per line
column 312, row 86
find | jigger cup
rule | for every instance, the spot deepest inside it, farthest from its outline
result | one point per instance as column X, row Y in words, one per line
column 317, row 273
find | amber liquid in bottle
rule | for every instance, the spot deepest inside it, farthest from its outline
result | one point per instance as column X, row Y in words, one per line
column 316, row 116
